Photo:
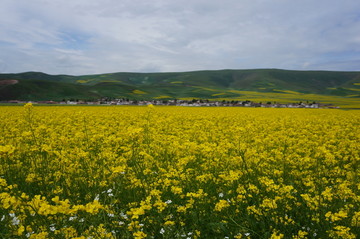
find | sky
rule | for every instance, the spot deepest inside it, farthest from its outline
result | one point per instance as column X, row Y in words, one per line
column 80, row 37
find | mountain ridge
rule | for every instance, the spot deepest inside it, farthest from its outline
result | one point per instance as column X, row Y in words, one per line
column 267, row 84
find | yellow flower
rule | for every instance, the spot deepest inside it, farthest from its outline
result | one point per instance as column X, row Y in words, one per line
column 336, row 216
column 3, row 182
column 341, row 232
column 28, row 105
column 139, row 235
column 221, row 205
column 355, row 221
column 20, row 230
column 149, row 170
column 276, row 235
column 176, row 190
column 93, row 207
column 30, row 178
column 169, row 223
column 41, row 235
column 301, row 234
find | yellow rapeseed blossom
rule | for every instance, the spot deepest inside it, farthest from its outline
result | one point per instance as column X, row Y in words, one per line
column 301, row 234
column 169, row 223
column 341, row 232
column 355, row 221
column 336, row 216
column 276, row 235
column 221, row 205
column 171, row 172
column 41, row 235
column 139, row 235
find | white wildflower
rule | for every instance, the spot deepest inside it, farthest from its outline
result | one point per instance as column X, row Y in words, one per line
column 15, row 221
column 29, row 234
column 123, row 215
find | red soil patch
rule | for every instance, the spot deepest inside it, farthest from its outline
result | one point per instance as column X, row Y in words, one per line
column 8, row 82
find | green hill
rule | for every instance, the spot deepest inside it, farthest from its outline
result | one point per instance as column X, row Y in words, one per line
column 342, row 88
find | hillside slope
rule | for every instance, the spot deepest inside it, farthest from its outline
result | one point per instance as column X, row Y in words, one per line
column 266, row 84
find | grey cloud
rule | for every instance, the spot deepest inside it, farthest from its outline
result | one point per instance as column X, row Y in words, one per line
column 83, row 37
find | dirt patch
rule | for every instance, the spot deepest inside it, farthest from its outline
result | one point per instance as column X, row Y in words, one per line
column 8, row 82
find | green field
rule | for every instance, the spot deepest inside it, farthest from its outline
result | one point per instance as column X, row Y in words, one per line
column 263, row 85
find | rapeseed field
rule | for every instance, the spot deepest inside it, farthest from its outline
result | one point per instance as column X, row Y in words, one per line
column 176, row 172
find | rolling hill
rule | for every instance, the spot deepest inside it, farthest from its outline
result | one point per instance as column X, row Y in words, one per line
column 342, row 88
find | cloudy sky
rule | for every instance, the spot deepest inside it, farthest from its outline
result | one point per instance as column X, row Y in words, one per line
column 101, row 36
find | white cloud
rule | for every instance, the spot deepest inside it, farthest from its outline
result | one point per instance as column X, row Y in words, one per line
column 93, row 36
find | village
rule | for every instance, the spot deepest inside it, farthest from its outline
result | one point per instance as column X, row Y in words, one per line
column 185, row 103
